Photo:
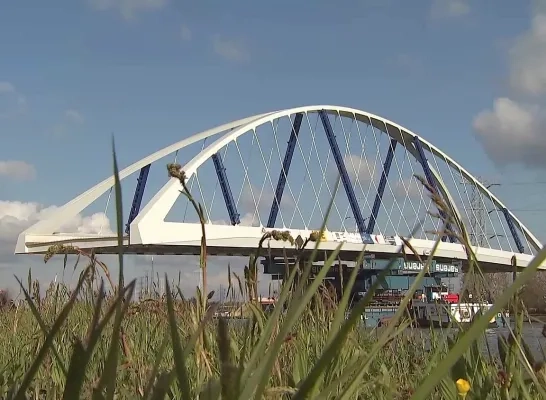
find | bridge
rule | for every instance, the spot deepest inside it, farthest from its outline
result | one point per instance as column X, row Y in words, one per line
column 278, row 170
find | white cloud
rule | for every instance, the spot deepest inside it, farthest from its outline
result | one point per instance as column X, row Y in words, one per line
column 7, row 87
column 12, row 102
column 185, row 33
column 128, row 8
column 409, row 188
column 528, row 59
column 74, row 116
column 250, row 219
column 68, row 122
column 261, row 199
column 369, row 173
column 360, row 169
column 247, row 219
column 17, row 170
column 16, row 216
column 514, row 130
column 513, row 133
column 449, row 8
column 231, row 50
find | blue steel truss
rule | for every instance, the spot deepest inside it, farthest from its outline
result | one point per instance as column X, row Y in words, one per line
column 284, row 171
column 137, row 198
column 360, row 222
column 513, row 231
column 381, row 187
column 431, row 181
column 226, row 190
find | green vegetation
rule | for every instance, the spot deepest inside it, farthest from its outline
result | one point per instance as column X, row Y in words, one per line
column 89, row 343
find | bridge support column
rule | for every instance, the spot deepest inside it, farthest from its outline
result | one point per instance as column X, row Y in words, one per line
column 360, row 222
column 284, row 171
column 513, row 231
column 137, row 198
column 226, row 190
column 381, row 187
column 430, row 179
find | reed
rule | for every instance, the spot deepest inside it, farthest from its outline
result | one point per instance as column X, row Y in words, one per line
column 93, row 342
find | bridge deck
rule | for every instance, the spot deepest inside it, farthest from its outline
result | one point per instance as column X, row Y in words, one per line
column 490, row 260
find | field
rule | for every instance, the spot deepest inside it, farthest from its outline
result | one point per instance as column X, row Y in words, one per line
column 91, row 342
column 146, row 325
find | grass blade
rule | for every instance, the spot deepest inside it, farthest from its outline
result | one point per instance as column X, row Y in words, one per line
column 308, row 385
column 48, row 342
column 259, row 379
column 119, row 216
column 159, row 356
column 82, row 355
column 179, row 359
column 108, row 378
column 44, row 329
column 477, row 327
column 339, row 316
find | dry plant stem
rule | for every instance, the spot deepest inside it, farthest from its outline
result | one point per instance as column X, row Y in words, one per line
column 66, row 249
column 284, row 236
column 175, row 171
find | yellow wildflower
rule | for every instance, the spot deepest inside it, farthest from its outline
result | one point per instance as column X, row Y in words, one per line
column 463, row 387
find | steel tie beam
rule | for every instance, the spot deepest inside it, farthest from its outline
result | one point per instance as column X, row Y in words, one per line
column 226, row 190
column 360, row 222
column 513, row 231
column 381, row 187
column 431, row 181
column 137, row 198
column 284, row 171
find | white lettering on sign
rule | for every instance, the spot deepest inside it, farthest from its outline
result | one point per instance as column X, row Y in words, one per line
column 446, row 268
column 413, row 266
column 417, row 266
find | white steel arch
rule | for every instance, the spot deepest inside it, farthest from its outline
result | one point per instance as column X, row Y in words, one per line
column 150, row 222
column 163, row 201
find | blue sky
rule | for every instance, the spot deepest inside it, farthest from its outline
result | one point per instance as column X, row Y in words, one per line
column 153, row 71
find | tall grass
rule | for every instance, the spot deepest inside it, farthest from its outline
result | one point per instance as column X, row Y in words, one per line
column 92, row 342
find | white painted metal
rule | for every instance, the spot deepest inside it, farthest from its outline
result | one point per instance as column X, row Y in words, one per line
column 65, row 213
column 242, row 240
column 150, row 228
